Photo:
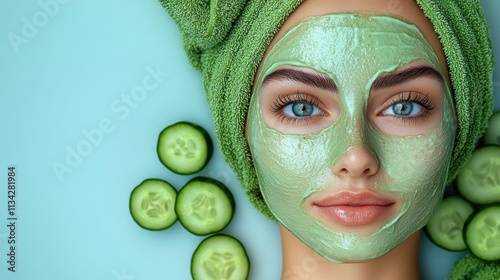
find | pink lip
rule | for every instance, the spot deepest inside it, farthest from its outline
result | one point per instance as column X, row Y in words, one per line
column 355, row 209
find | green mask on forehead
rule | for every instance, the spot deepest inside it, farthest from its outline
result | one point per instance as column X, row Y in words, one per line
column 353, row 51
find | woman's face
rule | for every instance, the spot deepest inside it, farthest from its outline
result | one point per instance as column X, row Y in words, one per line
column 351, row 128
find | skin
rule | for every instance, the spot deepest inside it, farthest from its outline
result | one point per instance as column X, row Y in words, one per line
column 357, row 164
column 408, row 10
column 298, row 165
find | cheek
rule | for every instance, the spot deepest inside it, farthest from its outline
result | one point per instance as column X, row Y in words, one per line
column 288, row 168
column 417, row 168
column 418, row 164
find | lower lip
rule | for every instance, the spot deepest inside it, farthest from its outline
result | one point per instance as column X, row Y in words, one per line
column 356, row 215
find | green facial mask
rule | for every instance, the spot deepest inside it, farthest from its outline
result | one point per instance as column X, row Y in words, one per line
column 353, row 51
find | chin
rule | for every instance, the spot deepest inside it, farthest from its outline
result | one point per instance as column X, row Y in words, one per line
column 352, row 261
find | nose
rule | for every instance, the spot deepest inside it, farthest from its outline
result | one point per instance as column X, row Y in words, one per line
column 356, row 163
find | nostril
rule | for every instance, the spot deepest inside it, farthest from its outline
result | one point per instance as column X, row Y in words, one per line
column 367, row 171
column 357, row 162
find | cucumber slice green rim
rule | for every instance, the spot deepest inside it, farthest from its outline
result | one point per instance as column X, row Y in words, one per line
column 220, row 257
column 482, row 233
column 479, row 181
column 204, row 206
column 184, row 147
column 492, row 134
column 445, row 228
column 152, row 204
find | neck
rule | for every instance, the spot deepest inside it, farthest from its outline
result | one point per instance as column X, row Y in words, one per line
column 301, row 262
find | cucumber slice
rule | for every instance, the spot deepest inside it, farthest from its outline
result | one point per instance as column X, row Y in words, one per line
column 479, row 181
column 184, row 147
column 204, row 206
column 152, row 204
column 492, row 135
column 220, row 257
column 482, row 233
column 445, row 228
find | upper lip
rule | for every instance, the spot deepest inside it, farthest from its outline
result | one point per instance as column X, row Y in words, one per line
column 349, row 198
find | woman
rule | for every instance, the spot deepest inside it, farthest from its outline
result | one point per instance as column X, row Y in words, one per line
column 357, row 114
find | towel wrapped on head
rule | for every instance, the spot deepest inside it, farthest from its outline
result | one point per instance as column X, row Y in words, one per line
column 227, row 39
column 472, row 268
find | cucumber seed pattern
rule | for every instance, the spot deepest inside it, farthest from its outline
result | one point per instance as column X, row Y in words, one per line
column 155, row 206
column 489, row 235
column 203, row 208
column 220, row 265
column 487, row 175
column 183, row 146
column 450, row 225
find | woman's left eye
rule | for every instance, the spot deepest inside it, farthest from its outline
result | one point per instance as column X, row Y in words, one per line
column 404, row 109
column 301, row 109
column 409, row 105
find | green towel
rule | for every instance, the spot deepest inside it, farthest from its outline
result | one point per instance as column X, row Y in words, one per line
column 226, row 40
column 472, row 268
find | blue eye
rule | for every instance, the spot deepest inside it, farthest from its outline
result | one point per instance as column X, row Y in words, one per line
column 296, row 108
column 404, row 109
column 301, row 109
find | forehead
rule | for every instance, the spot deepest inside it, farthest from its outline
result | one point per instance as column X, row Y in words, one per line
column 343, row 45
column 406, row 10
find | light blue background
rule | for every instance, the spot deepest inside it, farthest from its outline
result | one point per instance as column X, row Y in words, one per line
column 74, row 72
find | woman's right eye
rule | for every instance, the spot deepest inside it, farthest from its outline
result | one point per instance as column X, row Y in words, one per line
column 296, row 107
column 301, row 109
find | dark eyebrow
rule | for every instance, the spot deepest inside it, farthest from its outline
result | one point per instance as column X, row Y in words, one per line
column 318, row 80
column 394, row 79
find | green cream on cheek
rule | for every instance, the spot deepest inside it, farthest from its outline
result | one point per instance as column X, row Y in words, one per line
column 353, row 51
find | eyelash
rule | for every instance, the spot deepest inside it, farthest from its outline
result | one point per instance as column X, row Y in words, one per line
column 420, row 99
column 283, row 101
column 298, row 97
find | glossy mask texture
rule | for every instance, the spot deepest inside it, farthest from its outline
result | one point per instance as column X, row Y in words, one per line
column 352, row 50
